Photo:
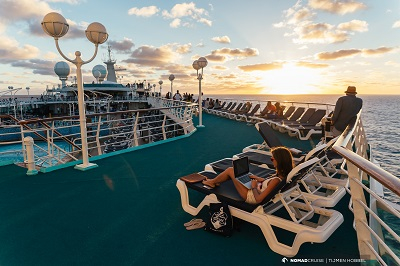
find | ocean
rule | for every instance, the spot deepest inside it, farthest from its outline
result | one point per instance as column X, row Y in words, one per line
column 380, row 117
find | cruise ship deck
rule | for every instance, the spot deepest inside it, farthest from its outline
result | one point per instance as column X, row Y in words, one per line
column 127, row 211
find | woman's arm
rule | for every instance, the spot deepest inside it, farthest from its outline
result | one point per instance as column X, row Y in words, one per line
column 261, row 196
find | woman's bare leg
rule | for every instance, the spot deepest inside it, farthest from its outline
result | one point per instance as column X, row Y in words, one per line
column 241, row 189
column 222, row 177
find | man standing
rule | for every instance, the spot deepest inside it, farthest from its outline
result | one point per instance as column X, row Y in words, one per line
column 346, row 110
column 177, row 96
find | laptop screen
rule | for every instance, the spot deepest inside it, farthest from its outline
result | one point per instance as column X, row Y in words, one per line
column 241, row 166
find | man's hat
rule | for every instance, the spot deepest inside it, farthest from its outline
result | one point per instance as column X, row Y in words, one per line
column 351, row 90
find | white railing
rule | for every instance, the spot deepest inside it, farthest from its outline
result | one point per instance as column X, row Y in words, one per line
column 367, row 179
column 106, row 132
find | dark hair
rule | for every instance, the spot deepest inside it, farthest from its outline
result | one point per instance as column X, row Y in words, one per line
column 284, row 160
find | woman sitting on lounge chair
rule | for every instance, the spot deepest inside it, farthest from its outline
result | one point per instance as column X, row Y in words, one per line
column 260, row 187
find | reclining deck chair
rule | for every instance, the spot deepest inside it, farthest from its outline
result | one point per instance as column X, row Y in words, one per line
column 223, row 109
column 247, row 117
column 265, row 215
column 282, row 127
column 295, row 115
column 223, row 112
column 213, row 110
column 305, row 130
column 232, row 110
column 319, row 187
column 271, row 140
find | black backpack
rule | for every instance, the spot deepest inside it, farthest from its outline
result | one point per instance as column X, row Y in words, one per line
column 219, row 220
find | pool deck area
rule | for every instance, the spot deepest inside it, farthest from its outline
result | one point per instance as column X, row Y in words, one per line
column 127, row 211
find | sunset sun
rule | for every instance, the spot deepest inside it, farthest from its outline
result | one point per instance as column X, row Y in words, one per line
column 291, row 79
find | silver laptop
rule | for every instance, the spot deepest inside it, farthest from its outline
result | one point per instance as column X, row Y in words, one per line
column 242, row 171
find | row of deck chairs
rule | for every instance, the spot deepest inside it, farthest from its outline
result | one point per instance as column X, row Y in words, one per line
column 297, row 122
column 298, row 206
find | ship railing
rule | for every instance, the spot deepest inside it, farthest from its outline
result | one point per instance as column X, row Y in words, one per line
column 328, row 107
column 367, row 182
column 106, row 133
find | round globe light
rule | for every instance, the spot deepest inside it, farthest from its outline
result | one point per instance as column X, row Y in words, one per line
column 55, row 25
column 202, row 61
column 196, row 65
column 171, row 77
column 160, row 82
column 96, row 33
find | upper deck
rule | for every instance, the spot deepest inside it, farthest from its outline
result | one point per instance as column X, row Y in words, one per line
column 127, row 211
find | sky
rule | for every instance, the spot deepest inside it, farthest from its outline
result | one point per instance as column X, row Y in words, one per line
column 252, row 47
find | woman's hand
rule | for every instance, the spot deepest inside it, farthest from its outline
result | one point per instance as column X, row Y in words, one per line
column 258, row 179
column 254, row 183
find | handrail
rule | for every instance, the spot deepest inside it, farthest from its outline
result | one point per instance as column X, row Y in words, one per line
column 352, row 145
column 390, row 181
column 105, row 113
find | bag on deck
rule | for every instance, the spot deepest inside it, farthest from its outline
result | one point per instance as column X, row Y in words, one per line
column 219, row 220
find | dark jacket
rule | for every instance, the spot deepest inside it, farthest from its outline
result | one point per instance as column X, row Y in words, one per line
column 346, row 110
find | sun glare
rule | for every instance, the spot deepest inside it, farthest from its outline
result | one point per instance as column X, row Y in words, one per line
column 291, row 79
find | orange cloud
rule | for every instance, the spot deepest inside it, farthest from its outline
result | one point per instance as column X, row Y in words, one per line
column 311, row 65
column 338, row 54
column 262, row 67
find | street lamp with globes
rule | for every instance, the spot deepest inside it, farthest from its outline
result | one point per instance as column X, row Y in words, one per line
column 160, row 82
column 171, row 78
column 197, row 65
column 56, row 26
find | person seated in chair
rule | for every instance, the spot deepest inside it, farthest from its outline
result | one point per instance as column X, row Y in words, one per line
column 260, row 187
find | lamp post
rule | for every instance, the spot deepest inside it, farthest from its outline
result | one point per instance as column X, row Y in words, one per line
column 56, row 26
column 154, row 89
column 27, row 89
column 171, row 78
column 160, row 82
column 200, row 64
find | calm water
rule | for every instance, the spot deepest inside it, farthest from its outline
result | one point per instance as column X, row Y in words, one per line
column 380, row 118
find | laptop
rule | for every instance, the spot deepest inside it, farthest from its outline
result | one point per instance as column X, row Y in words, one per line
column 242, row 171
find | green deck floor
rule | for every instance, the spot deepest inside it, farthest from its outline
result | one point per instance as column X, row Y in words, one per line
column 127, row 211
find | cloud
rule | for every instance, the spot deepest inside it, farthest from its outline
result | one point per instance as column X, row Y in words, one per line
column 71, row 2
column 175, row 23
column 37, row 66
column 222, row 39
column 318, row 33
column 220, row 68
column 378, row 51
column 298, row 20
column 152, row 56
column 215, row 58
column 184, row 14
column 311, row 65
column 262, row 67
column 337, row 6
column 337, row 54
column 354, row 25
column 184, row 49
column 23, row 10
column 123, row 46
column 396, row 24
column 147, row 11
column 247, row 52
column 10, row 50
column 352, row 52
